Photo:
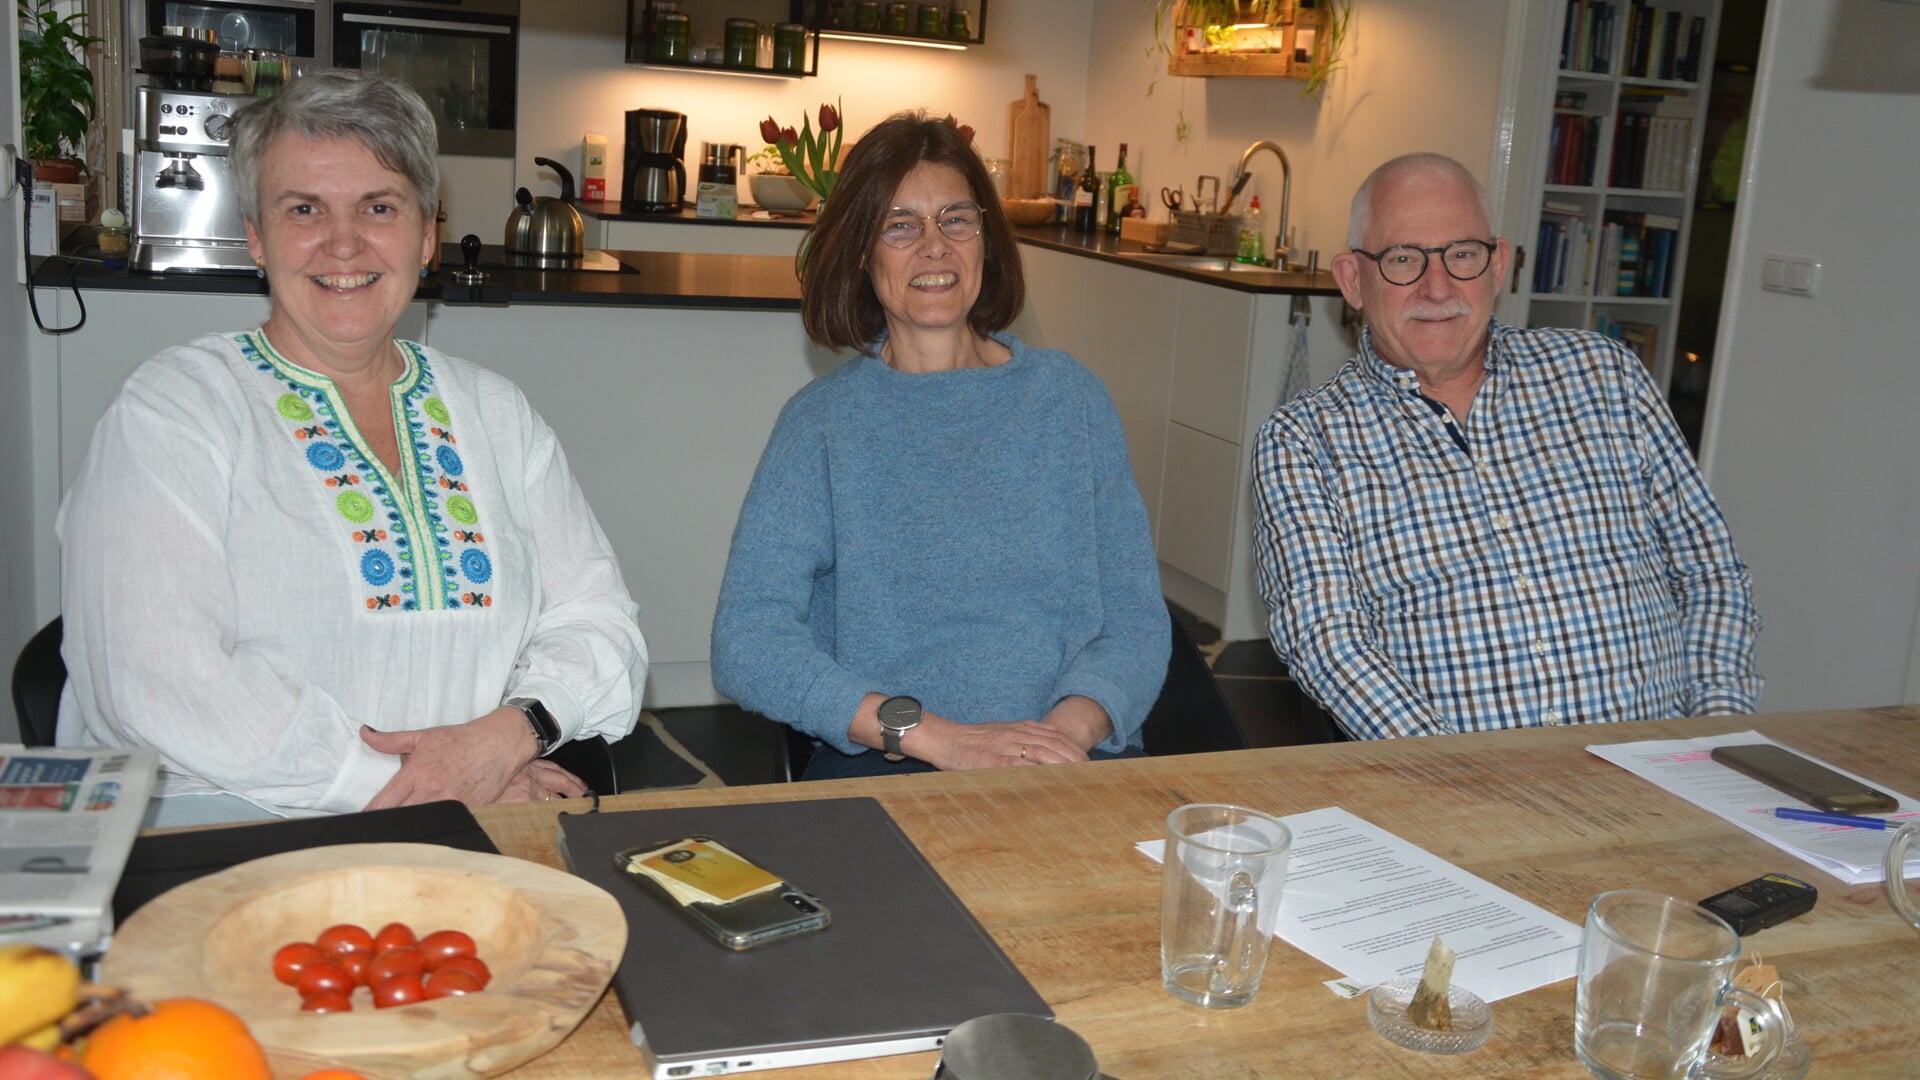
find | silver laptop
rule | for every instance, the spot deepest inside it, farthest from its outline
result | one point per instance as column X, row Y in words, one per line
column 903, row 963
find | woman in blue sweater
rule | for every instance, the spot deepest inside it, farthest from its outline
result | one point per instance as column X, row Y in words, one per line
column 942, row 557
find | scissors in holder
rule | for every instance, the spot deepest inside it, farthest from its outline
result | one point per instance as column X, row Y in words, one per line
column 1172, row 199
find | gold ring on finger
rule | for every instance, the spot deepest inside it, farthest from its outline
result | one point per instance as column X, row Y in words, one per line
column 1023, row 750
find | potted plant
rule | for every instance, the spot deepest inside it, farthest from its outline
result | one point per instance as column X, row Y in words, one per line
column 56, row 88
column 1249, row 30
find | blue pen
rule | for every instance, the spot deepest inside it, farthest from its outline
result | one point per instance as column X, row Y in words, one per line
column 1792, row 813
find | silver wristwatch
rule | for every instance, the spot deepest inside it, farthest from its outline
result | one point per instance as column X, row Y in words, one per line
column 545, row 730
column 898, row 715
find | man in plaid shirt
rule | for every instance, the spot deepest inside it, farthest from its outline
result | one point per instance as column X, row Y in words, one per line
column 1473, row 526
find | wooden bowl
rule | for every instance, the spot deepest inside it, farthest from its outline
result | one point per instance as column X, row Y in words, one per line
column 776, row 192
column 1036, row 211
column 551, row 939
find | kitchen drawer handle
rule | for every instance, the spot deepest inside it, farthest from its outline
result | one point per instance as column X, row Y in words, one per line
column 427, row 24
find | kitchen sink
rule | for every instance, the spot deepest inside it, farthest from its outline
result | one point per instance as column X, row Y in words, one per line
column 1184, row 262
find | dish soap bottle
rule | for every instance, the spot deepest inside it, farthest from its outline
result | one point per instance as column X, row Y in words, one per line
column 1253, row 236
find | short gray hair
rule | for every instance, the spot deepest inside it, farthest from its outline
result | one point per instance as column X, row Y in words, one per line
column 378, row 111
column 1361, row 214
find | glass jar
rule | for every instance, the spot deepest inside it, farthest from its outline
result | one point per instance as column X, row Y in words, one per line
column 896, row 21
column 1000, row 171
column 742, row 43
column 789, row 48
column 672, row 33
column 933, row 21
column 866, row 15
column 960, row 24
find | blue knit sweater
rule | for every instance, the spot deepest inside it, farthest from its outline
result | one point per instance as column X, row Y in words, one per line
column 972, row 538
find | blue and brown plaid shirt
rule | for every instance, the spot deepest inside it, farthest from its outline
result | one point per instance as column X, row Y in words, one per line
column 1556, row 559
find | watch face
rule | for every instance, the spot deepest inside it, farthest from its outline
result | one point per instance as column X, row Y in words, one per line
column 899, row 713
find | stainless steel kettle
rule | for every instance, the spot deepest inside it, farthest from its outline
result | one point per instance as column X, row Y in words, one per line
column 546, row 226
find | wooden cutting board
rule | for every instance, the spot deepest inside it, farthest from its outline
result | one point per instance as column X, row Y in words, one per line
column 1029, row 121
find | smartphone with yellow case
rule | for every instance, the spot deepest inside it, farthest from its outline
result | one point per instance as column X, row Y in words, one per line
column 735, row 901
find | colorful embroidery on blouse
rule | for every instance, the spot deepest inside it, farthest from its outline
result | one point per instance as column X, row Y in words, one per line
column 407, row 557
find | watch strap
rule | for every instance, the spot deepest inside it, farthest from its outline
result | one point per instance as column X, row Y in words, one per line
column 546, row 730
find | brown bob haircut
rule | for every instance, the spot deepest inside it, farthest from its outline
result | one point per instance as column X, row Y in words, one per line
column 837, row 301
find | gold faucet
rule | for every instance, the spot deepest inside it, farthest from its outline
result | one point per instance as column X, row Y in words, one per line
column 1281, row 246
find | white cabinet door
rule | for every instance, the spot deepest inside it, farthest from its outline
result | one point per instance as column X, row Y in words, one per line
column 1211, row 354
column 1197, row 504
column 1129, row 344
column 1056, row 306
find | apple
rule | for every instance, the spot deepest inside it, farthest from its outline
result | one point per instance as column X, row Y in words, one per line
column 23, row 1063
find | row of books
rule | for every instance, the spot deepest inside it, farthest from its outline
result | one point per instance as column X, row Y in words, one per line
column 1664, row 44
column 1586, row 40
column 1660, row 43
column 1650, row 151
column 1630, row 255
column 1572, row 145
column 1642, row 338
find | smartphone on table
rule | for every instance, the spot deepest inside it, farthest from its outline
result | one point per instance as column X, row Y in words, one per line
column 736, row 902
column 1806, row 780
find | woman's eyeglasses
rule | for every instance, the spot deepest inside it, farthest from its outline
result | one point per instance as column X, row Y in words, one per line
column 904, row 228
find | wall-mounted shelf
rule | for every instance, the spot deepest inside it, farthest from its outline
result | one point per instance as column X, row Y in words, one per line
column 849, row 20
column 707, row 30
column 1282, row 49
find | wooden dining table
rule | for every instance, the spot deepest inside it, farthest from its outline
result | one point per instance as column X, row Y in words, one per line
column 1045, row 859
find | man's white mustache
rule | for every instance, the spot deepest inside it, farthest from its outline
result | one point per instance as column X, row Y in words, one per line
column 1452, row 309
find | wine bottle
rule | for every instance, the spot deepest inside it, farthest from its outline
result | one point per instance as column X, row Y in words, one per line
column 1117, row 185
column 1085, row 195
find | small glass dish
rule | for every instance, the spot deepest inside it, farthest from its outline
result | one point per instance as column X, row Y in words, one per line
column 1387, row 1012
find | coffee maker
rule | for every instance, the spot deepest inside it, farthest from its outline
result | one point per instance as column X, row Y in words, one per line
column 655, row 176
column 186, row 206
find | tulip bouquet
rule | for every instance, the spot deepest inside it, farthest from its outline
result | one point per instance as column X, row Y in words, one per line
column 810, row 158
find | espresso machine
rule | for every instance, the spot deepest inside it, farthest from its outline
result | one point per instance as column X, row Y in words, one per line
column 186, row 210
column 655, row 176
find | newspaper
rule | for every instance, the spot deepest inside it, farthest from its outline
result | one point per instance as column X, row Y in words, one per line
column 68, row 818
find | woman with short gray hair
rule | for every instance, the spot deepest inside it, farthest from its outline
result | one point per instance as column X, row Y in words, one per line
column 322, row 569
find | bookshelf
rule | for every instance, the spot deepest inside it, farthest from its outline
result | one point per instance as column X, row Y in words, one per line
column 1606, row 185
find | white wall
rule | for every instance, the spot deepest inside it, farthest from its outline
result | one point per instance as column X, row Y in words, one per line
column 1810, row 443
column 1419, row 75
column 582, row 84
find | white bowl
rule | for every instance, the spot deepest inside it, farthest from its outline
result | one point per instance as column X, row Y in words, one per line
column 776, row 192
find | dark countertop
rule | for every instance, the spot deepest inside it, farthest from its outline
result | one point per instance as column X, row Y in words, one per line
column 1129, row 253
column 645, row 279
column 776, row 219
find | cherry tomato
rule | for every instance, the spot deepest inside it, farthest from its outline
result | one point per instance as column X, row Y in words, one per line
column 345, row 938
column 327, row 1001
column 472, row 965
column 395, row 962
column 356, row 964
column 399, row 990
column 291, row 959
column 442, row 944
column 394, row 935
column 324, row 975
column 452, row 982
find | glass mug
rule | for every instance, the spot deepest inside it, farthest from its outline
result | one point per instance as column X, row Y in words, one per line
column 1654, row 974
column 1223, row 870
column 1897, row 893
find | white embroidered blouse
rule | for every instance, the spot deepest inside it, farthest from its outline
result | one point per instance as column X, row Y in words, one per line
column 244, row 583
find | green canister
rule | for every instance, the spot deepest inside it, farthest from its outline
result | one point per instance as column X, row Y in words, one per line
column 743, row 43
column 896, row 22
column 672, row 32
column 789, row 48
column 933, row 21
column 866, row 15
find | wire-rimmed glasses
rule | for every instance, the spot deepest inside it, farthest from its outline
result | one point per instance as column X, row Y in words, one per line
column 958, row 222
column 1402, row 264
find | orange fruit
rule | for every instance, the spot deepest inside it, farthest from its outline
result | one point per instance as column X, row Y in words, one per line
column 181, row 1039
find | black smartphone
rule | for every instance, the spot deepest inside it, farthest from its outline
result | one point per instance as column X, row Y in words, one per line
column 1809, row 781
column 736, row 902
column 1765, row 901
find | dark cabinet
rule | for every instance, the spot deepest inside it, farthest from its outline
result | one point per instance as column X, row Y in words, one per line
column 781, row 38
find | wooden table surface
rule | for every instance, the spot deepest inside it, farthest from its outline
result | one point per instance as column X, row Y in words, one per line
column 1044, row 857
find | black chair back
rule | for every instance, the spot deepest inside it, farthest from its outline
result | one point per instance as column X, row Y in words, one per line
column 38, row 677
column 1191, row 715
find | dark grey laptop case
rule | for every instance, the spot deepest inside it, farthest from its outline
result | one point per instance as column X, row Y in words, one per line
column 902, row 959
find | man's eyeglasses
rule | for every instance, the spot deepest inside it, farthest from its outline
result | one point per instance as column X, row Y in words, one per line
column 1403, row 264
column 904, row 228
